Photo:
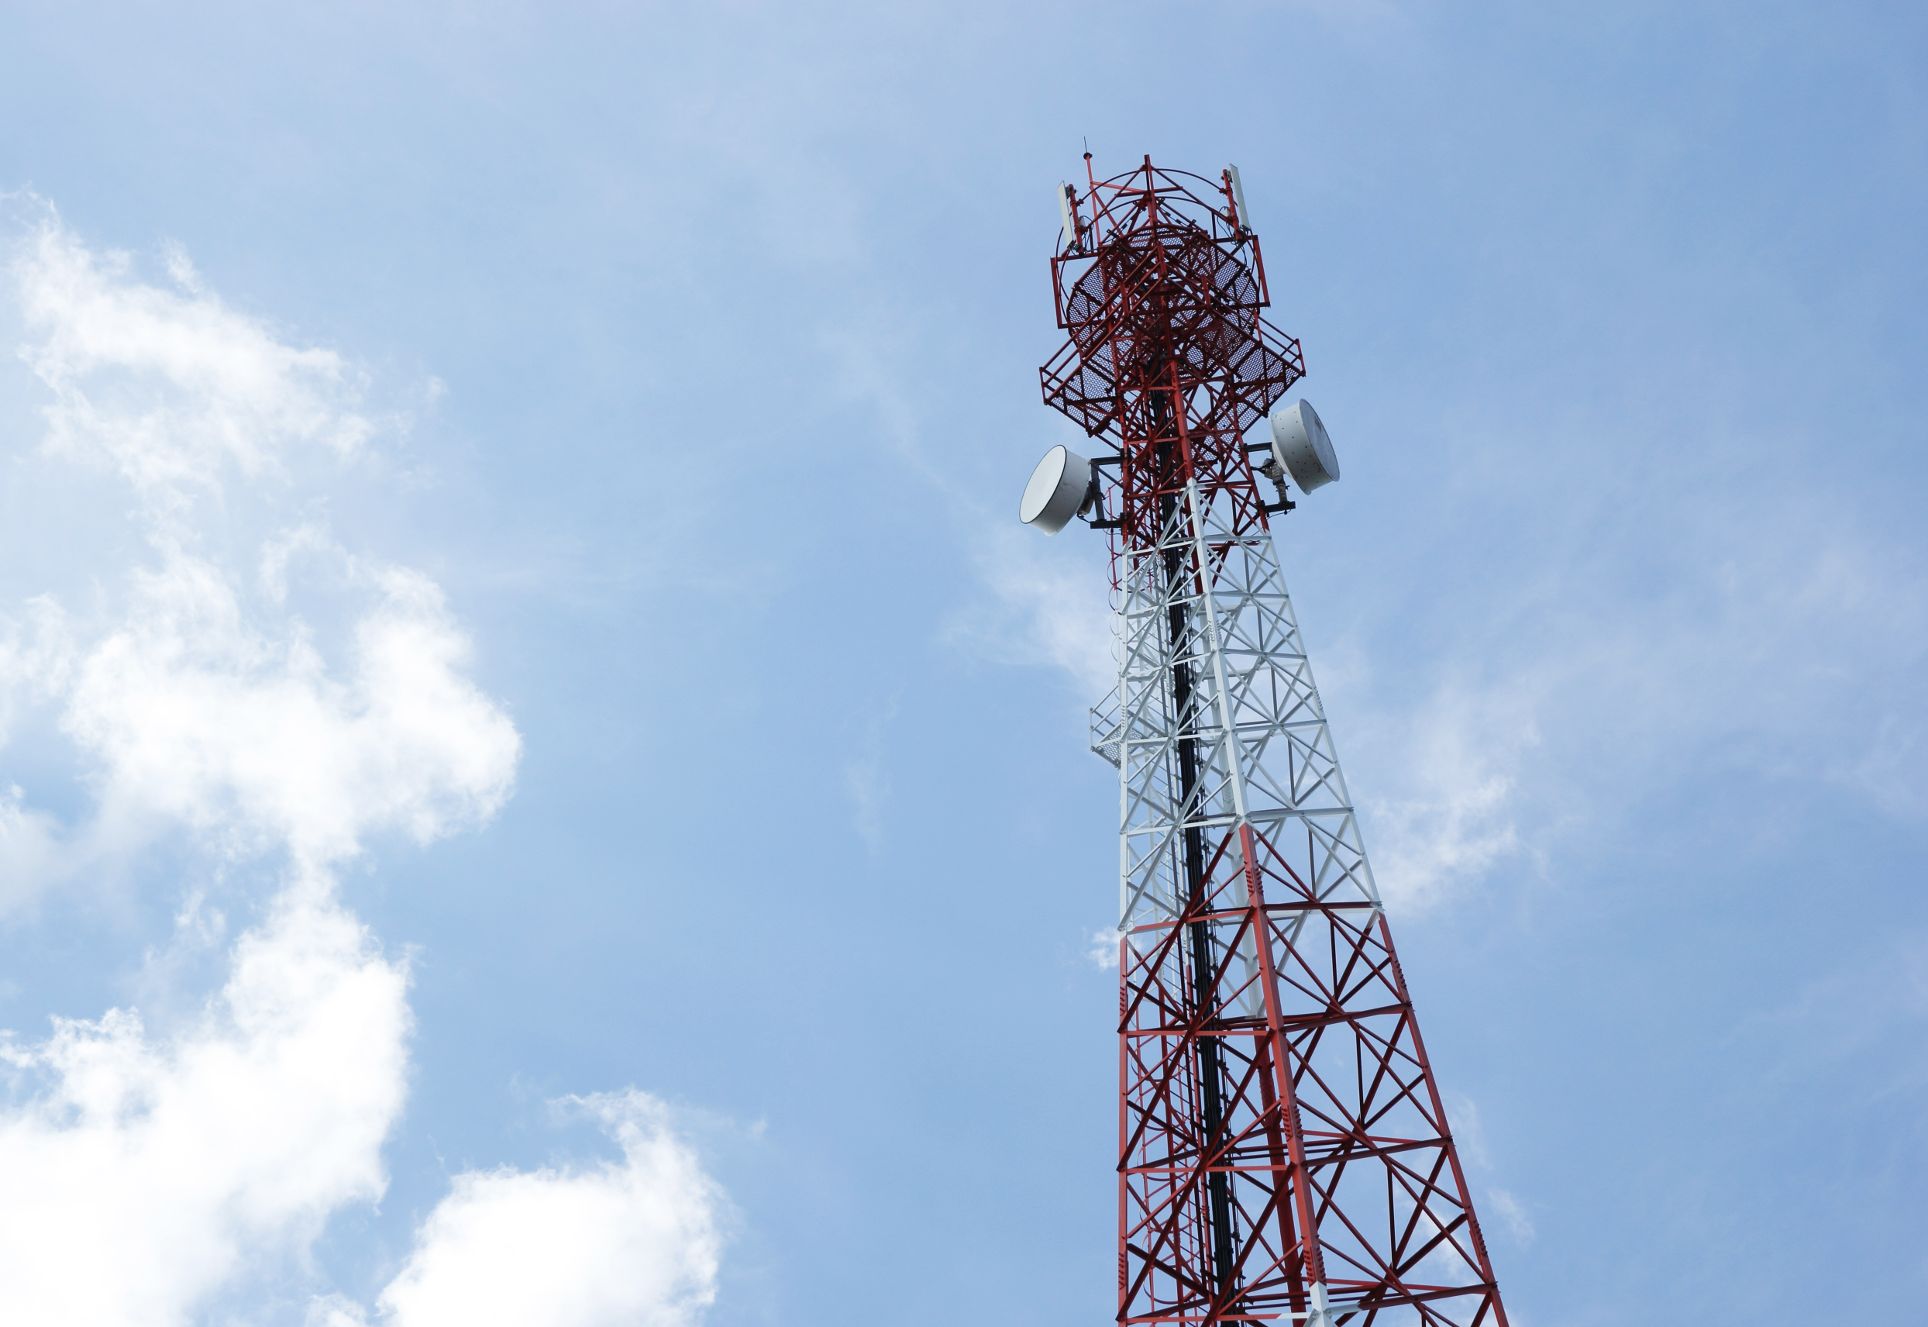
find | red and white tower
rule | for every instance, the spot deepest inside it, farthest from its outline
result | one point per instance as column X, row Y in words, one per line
column 1283, row 1151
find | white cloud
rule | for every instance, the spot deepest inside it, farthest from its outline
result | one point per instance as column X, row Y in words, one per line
column 629, row 1242
column 869, row 788
column 34, row 653
column 1047, row 607
column 190, row 700
column 1891, row 770
column 293, row 704
column 1442, row 805
column 194, row 710
column 169, row 387
column 144, row 1169
column 1040, row 603
column 867, row 778
column 1512, row 1214
column 1784, row 652
column 32, row 854
column 1869, row 1005
column 1469, row 1133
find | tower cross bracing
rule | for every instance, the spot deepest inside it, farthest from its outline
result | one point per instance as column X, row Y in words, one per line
column 1284, row 1153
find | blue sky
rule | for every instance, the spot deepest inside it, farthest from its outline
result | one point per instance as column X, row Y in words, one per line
column 519, row 682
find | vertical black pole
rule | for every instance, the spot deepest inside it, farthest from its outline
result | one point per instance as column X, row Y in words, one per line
column 1204, row 964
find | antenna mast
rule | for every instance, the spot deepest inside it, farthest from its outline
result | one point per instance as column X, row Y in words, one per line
column 1283, row 1150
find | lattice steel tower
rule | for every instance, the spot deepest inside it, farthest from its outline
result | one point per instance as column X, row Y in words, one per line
column 1283, row 1152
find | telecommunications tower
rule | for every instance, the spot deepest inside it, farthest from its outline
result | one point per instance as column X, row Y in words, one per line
column 1283, row 1152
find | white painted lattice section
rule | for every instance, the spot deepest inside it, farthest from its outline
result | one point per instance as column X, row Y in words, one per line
column 1264, row 753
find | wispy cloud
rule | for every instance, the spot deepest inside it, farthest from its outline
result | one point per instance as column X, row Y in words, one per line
column 867, row 778
column 1562, row 698
column 1033, row 603
column 167, row 384
column 1493, row 1201
column 1870, row 1005
column 1044, row 607
column 1512, row 1214
column 1443, row 805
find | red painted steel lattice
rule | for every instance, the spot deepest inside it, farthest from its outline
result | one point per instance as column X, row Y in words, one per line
column 1284, row 1153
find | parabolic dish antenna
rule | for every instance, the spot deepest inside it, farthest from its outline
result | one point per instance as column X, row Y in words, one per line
column 1058, row 490
column 1299, row 441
